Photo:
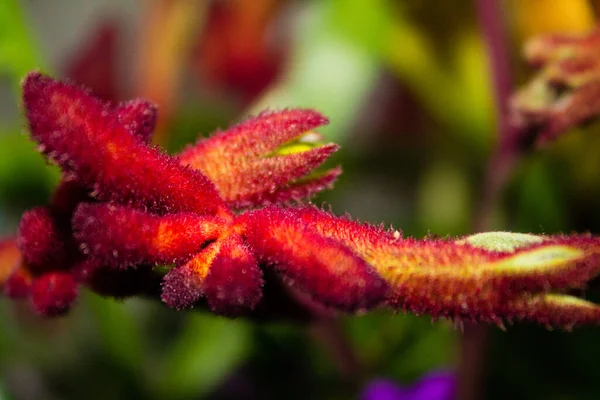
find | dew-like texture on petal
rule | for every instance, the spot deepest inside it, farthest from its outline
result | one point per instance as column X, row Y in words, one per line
column 53, row 294
column 121, row 236
column 10, row 258
column 41, row 242
column 246, row 171
column 138, row 117
column 234, row 282
column 85, row 137
column 182, row 286
column 326, row 269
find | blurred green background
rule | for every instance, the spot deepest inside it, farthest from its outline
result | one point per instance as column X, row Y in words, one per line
column 408, row 89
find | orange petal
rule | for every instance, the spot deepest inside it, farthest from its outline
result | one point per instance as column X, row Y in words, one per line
column 225, row 272
column 10, row 258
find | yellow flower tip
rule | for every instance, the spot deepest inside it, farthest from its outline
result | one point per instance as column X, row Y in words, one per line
column 502, row 241
column 541, row 259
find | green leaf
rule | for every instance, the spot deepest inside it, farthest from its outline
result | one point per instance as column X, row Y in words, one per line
column 207, row 351
column 18, row 53
column 121, row 336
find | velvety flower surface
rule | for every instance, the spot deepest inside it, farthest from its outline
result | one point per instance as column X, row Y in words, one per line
column 215, row 226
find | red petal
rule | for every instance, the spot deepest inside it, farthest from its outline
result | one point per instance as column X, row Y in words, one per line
column 257, row 180
column 324, row 268
column 121, row 236
column 18, row 284
column 234, row 282
column 252, row 138
column 182, row 286
column 82, row 135
column 240, row 163
column 225, row 272
column 296, row 191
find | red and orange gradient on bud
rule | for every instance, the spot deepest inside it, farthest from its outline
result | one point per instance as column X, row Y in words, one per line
column 215, row 225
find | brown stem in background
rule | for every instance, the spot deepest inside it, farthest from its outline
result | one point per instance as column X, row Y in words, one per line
column 475, row 337
column 330, row 334
column 508, row 148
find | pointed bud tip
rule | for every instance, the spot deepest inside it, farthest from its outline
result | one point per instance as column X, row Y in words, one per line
column 181, row 289
column 40, row 239
column 18, row 284
column 233, row 285
column 139, row 117
column 53, row 294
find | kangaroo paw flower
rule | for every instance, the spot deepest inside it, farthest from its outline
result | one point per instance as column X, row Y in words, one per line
column 476, row 277
column 123, row 203
column 565, row 93
column 260, row 160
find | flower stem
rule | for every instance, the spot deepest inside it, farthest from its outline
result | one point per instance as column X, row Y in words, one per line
column 475, row 337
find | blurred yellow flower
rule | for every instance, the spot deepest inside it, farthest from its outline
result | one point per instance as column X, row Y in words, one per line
column 535, row 17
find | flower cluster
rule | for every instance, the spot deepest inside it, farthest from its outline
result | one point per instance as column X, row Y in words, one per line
column 566, row 90
column 217, row 224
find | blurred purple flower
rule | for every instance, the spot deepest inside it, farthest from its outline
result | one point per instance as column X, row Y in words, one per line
column 436, row 385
